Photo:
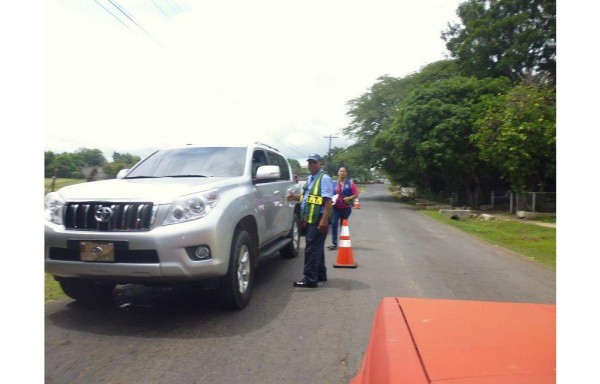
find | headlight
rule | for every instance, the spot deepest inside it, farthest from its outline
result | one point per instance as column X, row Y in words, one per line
column 54, row 208
column 191, row 207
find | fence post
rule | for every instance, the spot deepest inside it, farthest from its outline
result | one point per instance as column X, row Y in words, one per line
column 533, row 203
column 492, row 199
column 511, row 201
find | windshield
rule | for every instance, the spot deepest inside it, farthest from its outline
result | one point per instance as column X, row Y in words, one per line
column 192, row 162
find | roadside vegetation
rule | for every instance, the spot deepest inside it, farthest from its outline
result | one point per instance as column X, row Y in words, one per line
column 52, row 290
column 59, row 183
column 530, row 240
column 483, row 120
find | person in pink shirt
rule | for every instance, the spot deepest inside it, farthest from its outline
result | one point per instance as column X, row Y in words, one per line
column 345, row 192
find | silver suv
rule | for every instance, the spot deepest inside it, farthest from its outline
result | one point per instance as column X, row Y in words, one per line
column 185, row 214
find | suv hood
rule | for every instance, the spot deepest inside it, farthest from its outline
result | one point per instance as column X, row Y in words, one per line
column 158, row 191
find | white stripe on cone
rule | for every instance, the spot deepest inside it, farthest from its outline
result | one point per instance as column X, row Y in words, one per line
column 345, row 231
column 345, row 243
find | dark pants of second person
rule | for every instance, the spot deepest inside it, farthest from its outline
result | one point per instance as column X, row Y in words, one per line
column 314, row 255
column 338, row 215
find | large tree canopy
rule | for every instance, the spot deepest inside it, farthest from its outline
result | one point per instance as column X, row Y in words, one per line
column 428, row 142
column 484, row 120
column 512, row 38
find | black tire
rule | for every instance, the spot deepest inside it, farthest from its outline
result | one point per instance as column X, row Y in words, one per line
column 86, row 290
column 235, row 288
column 291, row 250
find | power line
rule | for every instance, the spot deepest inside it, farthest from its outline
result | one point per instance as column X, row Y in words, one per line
column 129, row 16
column 113, row 15
column 123, row 11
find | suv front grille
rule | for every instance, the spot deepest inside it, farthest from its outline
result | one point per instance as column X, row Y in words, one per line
column 103, row 216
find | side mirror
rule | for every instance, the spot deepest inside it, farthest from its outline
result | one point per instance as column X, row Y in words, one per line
column 122, row 173
column 268, row 172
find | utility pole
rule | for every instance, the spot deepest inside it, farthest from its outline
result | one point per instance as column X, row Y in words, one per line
column 329, row 154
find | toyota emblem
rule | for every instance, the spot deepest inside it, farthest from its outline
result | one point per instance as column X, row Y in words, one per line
column 103, row 214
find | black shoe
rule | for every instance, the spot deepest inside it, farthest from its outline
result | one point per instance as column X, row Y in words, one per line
column 305, row 284
column 332, row 247
column 322, row 279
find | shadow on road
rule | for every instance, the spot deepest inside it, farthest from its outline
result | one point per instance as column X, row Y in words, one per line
column 180, row 311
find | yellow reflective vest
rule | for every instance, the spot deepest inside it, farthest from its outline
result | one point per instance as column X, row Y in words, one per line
column 314, row 202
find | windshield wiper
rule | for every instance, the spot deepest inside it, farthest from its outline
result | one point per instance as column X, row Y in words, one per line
column 141, row 177
column 186, row 176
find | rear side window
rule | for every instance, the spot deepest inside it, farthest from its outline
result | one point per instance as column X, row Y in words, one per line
column 277, row 159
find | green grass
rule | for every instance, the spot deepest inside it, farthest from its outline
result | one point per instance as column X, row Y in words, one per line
column 52, row 290
column 529, row 240
column 60, row 183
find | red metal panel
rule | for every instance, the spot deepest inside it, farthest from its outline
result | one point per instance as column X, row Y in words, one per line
column 456, row 341
column 390, row 356
column 462, row 339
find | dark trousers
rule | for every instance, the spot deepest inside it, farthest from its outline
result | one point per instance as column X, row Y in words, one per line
column 314, row 255
column 338, row 215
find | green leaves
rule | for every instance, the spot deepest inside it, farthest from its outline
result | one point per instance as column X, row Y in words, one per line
column 485, row 118
column 516, row 132
column 512, row 38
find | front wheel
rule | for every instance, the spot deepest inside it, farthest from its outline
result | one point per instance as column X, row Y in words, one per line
column 235, row 288
column 86, row 290
column 292, row 249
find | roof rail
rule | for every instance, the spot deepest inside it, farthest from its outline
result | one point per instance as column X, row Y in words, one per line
column 268, row 146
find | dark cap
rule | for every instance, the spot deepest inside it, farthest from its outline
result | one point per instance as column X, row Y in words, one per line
column 315, row 157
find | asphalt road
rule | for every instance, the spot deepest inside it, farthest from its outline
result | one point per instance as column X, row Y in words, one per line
column 286, row 335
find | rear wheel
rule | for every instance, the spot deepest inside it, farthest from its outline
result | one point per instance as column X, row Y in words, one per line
column 291, row 250
column 235, row 288
column 86, row 290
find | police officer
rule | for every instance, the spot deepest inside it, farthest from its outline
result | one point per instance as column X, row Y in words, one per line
column 315, row 204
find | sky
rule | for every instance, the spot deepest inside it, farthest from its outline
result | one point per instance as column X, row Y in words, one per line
column 134, row 76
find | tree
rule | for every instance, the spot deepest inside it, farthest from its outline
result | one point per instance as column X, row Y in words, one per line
column 428, row 143
column 296, row 167
column 66, row 165
column 49, row 157
column 352, row 159
column 512, row 38
column 517, row 133
column 90, row 157
column 120, row 161
column 374, row 111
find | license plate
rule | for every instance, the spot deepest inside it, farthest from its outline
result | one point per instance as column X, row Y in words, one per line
column 102, row 251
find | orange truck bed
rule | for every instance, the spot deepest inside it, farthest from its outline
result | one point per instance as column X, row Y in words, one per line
column 455, row 341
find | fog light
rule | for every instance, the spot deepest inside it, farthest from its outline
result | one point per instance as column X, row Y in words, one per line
column 201, row 252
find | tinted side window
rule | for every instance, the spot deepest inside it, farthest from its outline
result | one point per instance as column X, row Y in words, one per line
column 258, row 159
column 276, row 159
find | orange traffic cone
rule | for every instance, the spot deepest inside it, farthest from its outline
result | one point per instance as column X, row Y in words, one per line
column 356, row 204
column 345, row 259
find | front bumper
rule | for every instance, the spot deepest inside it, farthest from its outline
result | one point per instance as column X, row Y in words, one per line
column 154, row 256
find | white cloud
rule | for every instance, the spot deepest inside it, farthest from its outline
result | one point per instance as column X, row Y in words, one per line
column 277, row 71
